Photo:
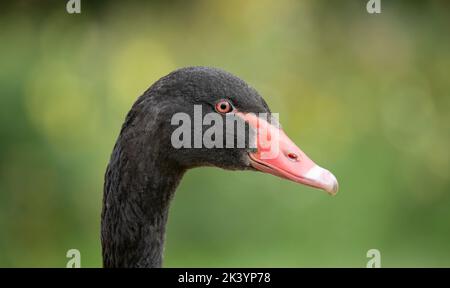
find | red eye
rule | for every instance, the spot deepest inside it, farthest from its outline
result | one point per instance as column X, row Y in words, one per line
column 223, row 106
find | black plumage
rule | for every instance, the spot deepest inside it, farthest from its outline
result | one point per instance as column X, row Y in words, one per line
column 144, row 169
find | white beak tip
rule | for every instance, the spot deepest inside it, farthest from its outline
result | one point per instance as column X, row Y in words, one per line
column 334, row 189
column 323, row 179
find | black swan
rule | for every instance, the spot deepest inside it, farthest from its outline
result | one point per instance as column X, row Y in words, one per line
column 145, row 169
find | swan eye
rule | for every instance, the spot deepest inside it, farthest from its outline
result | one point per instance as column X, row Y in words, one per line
column 223, row 106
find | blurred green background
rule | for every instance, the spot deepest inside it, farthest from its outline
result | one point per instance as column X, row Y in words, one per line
column 366, row 96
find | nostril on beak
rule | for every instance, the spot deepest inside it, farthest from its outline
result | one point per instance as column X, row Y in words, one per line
column 292, row 156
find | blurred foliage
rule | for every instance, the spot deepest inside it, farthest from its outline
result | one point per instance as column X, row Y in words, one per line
column 366, row 96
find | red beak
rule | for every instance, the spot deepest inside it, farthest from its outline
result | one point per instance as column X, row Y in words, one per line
column 278, row 155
